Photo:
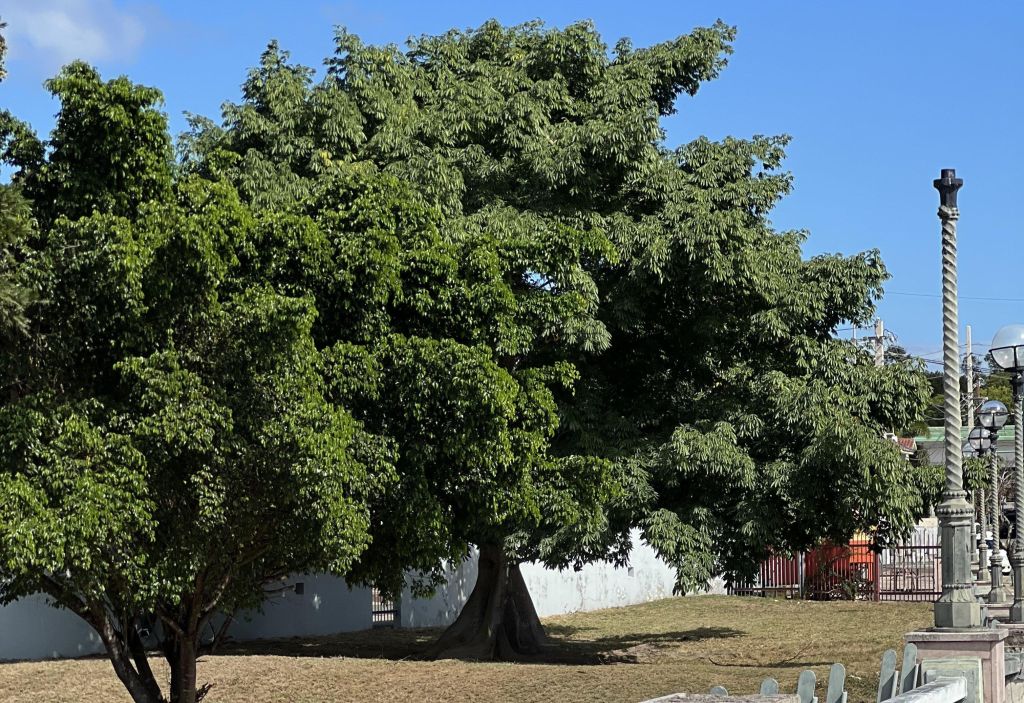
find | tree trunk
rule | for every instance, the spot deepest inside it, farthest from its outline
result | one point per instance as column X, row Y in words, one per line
column 181, row 653
column 140, row 690
column 499, row 620
column 138, row 651
column 186, row 672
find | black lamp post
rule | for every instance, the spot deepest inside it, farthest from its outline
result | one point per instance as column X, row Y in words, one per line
column 992, row 415
column 1007, row 353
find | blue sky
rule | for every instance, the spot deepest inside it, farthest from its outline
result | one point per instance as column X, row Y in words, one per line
column 878, row 96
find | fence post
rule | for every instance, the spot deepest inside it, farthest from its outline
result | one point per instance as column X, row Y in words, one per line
column 801, row 574
column 878, row 575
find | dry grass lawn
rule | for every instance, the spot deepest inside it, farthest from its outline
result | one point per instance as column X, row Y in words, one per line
column 622, row 654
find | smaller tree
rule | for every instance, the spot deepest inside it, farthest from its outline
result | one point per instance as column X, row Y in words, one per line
column 16, row 226
column 3, row 51
column 110, row 150
column 170, row 446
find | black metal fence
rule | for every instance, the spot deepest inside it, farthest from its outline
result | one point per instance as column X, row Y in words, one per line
column 911, row 571
column 385, row 613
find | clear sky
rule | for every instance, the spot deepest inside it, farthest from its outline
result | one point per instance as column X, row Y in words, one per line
column 877, row 95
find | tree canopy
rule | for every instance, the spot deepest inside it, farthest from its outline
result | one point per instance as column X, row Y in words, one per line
column 684, row 351
column 458, row 294
column 170, row 441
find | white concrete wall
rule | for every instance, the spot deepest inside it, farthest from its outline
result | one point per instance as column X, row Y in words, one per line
column 32, row 629
column 595, row 586
column 444, row 606
column 600, row 585
column 327, row 606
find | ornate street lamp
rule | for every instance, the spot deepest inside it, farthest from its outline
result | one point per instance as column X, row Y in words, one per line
column 978, row 545
column 979, row 441
column 992, row 416
column 1007, row 353
column 967, row 451
column 957, row 606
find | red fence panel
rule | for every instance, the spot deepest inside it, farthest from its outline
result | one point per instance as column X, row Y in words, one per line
column 842, row 572
column 910, row 571
column 779, row 576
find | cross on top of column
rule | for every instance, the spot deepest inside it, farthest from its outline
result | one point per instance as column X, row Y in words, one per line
column 947, row 185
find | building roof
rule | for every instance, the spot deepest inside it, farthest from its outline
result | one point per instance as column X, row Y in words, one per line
column 907, row 444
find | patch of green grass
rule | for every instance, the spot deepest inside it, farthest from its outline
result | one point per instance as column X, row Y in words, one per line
column 622, row 654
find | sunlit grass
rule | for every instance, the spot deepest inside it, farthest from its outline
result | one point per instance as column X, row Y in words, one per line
column 621, row 654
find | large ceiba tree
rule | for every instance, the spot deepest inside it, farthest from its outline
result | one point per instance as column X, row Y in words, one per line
column 170, row 440
column 568, row 328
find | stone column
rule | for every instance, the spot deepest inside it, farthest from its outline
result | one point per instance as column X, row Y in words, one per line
column 998, row 593
column 957, row 606
column 975, row 521
column 1017, row 554
column 982, row 526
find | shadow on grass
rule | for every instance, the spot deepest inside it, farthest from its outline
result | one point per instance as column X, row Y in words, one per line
column 568, row 645
column 378, row 643
column 632, row 648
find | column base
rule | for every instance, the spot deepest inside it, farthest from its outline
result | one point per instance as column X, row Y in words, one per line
column 1017, row 609
column 958, row 614
column 998, row 594
column 1017, row 613
column 940, row 648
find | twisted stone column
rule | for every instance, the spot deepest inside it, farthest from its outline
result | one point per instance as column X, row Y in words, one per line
column 982, row 526
column 951, row 355
column 956, row 607
column 975, row 521
column 998, row 593
column 1017, row 555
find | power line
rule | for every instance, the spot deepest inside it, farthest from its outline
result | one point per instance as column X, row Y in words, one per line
column 962, row 297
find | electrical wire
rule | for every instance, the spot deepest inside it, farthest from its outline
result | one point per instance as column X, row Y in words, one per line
column 961, row 297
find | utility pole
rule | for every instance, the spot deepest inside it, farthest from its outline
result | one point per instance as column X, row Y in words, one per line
column 879, row 346
column 969, row 373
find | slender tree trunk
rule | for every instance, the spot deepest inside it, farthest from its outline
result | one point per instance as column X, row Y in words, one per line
column 138, row 650
column 140, row 690
column 499, row 620
column 181, row 653
column 170, row 647
column 124, row 647
column 186, row 671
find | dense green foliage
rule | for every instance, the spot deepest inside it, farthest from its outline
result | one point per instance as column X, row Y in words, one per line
column 706, row 399
column 16, row 224
column 170, row 441
column 461, row 294
column 754, row 427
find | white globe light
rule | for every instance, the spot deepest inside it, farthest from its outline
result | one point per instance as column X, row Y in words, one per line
column 992, row 415
column 979, row 439
column 968, row 451
column 1008, row 348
